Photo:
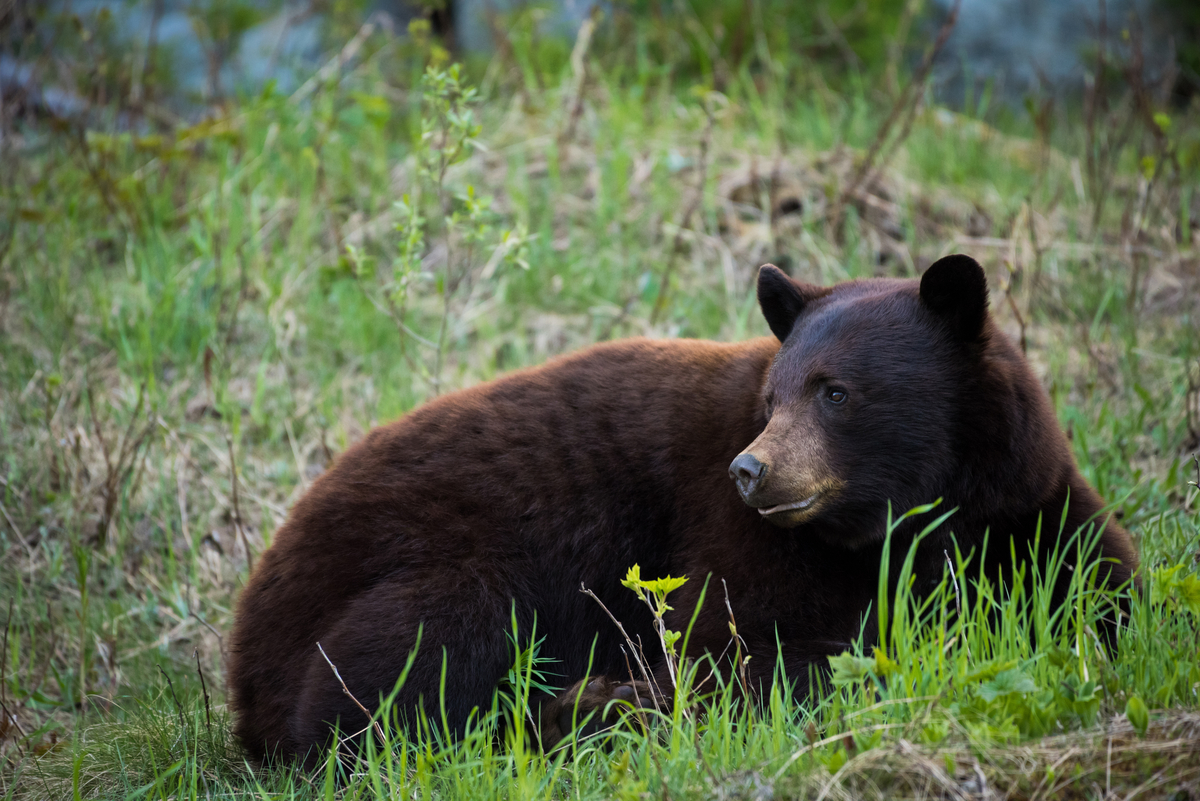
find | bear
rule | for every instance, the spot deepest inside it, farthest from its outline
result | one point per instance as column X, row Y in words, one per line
column 767, row 466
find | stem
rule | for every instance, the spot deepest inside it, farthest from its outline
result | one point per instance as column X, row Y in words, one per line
column 660, row 302
column 237, row 509
column 905, row 106
column 448, row 234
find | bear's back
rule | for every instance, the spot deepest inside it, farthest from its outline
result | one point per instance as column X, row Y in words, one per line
column 547, row 478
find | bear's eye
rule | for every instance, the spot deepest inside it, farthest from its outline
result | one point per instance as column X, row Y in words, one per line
column 837, row 396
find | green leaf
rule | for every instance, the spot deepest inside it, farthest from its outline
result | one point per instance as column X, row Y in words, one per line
column 1189, row 594
column 1166, row 584
column 987, row 672
column 934, row 732
column 884, row 665
column 1077, row 691
column 848, row 668
column 835, row 761
column 1163, row 121
column 1144, row 394
column 376, row 109
column 1163, row 583
column 660, row 586
column 1148, row 165
column 665, row 584
column 310, row 157
column 1007, row 682
column 1138, row 714
column 1058, row 656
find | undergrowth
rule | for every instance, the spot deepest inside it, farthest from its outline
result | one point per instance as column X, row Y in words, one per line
column 197, row 315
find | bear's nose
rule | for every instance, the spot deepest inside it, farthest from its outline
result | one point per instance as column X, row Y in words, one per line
column 747, row 472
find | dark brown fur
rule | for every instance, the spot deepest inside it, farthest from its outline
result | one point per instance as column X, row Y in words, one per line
column 510, row 495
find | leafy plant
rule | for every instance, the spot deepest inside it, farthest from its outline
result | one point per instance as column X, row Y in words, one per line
column 653, row 593
column 457, row 217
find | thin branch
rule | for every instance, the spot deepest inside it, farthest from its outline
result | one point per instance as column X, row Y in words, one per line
column 380, row 19
column 204, row 689
column 905, row 106
column 632, row 646
column 374, row 723
column 583, row 42
column 237, row 508
column 9, row 717
column 175, row 698
column 660, row 302
column 215, row 633
column 16, row 531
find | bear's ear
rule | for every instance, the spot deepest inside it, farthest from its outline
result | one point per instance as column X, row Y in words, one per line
column 955, row 289
column 782, row 299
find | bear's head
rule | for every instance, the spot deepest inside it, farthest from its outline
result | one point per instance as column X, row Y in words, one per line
column 864, row 398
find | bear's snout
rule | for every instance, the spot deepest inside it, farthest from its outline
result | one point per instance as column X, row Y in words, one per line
column 748, row 473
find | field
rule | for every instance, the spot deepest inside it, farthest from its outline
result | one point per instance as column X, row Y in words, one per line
column 197, row 317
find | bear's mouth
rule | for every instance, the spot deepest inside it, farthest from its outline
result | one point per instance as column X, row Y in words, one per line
column 795, row 506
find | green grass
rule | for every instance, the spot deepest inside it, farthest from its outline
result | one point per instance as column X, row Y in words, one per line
column 213, row 302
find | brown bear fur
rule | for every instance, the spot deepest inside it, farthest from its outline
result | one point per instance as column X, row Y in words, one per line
column 506, row 497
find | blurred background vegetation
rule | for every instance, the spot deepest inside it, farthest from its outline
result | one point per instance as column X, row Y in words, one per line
column 235, row 235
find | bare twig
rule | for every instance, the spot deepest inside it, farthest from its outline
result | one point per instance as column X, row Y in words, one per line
column 1106, row 134
column 896, row 44
column 641, row 716
column 293, row 19
column 660, row 302
column 904, row 108
column 144, row 63
column 243, row 284
column 632, row 646
column 396, row 313
column 175, row 698
column 637, row 698
column 833, row 33
column 737, row 652
column 374, row 723
column 4, row 653
column 1191, row 407
column 16, row 531
column 237, row 508
column 10, row 717
column 100, row 177
column 215, row 633
column 120, row 459
column 379, row 19
column 203, row 689
column 1093, row 96
column 181, row 488
column 1012, row 304
column 583, row 42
